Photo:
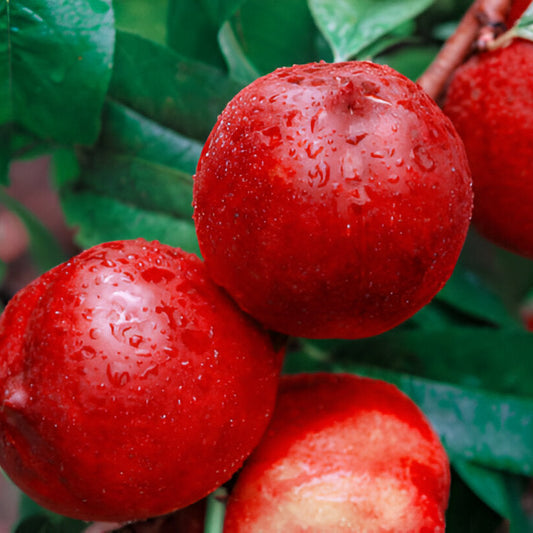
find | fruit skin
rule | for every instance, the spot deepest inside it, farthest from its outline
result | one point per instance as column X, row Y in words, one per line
column 489, row 101
column 332, row 200
column 516, row 11
column 130, row 384
column 342, row 454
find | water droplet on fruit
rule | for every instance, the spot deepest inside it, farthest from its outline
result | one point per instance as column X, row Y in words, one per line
column 157, row 275
column 356, row 139
column 135, row 340
column 273, row 135
column 85, row 353
column 319, row 176
column 117, row 378
column 422, row 158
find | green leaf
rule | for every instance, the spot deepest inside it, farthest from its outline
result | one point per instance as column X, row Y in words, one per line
column 410, row 60
column 240, row 67
column 5, row 153
column 257, row 27
column 101, row 218
column 466, row 292
column 197, row 38
column 55, row 65
column 147, row 19
column 44, row 247
column 352, row 25
column 140, row 183
column 501, row 491
column 400, row 34
column 35, row 519
column 46, row 524
column 3, row 271
column 466, row 513
column 486, row 358
column 125, row 131
column 221, row 10
column 135, row 183
column 178, row 93
column 490, row 429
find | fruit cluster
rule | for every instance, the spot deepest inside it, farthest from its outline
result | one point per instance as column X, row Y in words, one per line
column 331, row 200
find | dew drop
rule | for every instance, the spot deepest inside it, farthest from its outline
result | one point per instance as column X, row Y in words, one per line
column 422, row 158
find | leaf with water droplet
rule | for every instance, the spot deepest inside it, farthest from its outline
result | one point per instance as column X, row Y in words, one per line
column 49, row 51
column 351, row 26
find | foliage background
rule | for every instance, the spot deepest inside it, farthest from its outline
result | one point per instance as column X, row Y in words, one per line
column 122, row 96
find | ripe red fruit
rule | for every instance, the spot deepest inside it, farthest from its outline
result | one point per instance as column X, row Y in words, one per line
column 490, row 102
column 130, row 384
column 342, row 454
column 332, row 200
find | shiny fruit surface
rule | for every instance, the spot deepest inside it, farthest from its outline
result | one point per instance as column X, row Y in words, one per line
column 490, row 102
column 130, row 384
column 332, row 200
column 342, row 454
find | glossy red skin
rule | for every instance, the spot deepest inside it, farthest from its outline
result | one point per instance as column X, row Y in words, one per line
column 332, row 200
column 130, row 384
column 490, row 101
column 339, row 452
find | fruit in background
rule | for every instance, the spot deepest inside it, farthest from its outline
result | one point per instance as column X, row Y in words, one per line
column 489, row 100
column 130, row 384
column 342, row 453
column 332, row 200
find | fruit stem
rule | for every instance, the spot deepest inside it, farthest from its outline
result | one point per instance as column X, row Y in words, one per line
column 215, row 511
column 480, row 25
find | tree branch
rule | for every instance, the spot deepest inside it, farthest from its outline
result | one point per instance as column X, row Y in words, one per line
column 484, row 20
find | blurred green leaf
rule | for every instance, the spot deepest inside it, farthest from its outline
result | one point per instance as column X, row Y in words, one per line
column 498, row 360
column 147, row 19
column 125, row 131
column 47, row 524
column 140, row 183
column 271, row 34
column 5, row 153
column 401, row 34
column 352, row 25
column 173, row 91
column 102, row 218
column 35, row 519
column 3, row 272
column 493, row 430
column 197, row 38
column 466, row 513
column 410, row 60
column 44, row 247
column 240, row 67
column 501, row 491
column 467, row 292
column 49, row 51
column 221, row 10
column 136, row 183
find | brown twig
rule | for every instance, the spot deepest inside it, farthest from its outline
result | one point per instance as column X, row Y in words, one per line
column 484, row 20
